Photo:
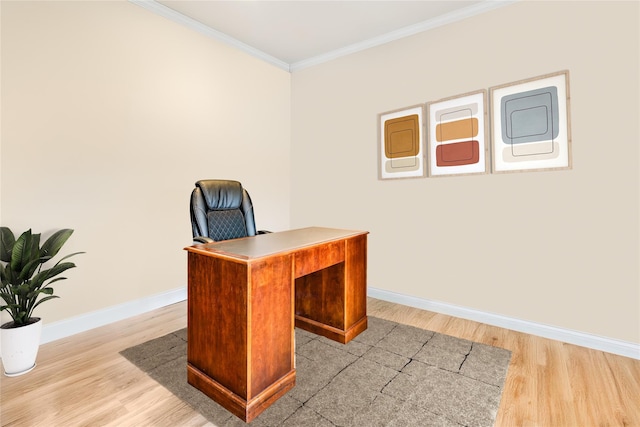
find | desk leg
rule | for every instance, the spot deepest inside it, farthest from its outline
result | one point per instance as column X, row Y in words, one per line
column 332, row 302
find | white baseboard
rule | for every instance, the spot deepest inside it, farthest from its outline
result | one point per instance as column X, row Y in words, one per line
column 85, row 322
column 610, row 345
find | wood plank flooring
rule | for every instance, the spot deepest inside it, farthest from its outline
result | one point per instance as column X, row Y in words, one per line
column 83, row 381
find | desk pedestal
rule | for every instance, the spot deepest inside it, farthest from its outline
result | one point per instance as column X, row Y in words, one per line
column 331, row 289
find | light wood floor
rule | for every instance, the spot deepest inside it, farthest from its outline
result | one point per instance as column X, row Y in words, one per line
column 83, row 381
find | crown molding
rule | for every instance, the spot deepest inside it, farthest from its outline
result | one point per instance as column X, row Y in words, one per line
column 179, row 18
column 449, row 18
column 420, row 27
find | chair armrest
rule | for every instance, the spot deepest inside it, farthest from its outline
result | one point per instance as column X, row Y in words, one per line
column 202, row 239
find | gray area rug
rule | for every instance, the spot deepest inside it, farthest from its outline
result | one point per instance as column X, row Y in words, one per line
column 390, row 375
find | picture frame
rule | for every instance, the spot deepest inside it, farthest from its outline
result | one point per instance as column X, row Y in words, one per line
column 457, row 140
column 401, row 147
column 530, row 124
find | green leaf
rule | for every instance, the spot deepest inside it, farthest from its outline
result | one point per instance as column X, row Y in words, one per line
column 25, row 250
column 7, row 240
column 22, row 290
column 53, row 244
column 44, row 275
column 41, row 301
column 55, row 280
column 18, row 251
column 21, row 318
column 35, row 293
column 29, row 269
column 8, row 276
column 70, row 255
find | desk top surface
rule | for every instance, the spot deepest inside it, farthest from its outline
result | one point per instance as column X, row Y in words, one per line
column 272, row 243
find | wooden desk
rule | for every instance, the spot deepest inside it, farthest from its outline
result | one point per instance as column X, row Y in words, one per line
column 245, row 296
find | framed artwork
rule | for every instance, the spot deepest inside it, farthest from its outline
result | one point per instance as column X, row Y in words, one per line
column 530, row 125
column 401, row 143
column 457, row 140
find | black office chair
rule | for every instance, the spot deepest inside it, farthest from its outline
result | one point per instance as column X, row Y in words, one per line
column 221, row 210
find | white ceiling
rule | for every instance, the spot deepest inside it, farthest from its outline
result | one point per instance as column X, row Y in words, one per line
column 297, row 34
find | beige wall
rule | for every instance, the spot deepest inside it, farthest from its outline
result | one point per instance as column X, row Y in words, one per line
column 557, row 248
column 132, row 108
column 110, row 113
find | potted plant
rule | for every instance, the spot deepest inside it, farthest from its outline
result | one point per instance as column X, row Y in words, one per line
column 24, row 285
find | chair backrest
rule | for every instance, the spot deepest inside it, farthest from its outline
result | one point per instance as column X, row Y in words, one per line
column 221, row 210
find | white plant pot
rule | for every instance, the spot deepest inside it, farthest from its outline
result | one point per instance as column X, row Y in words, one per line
column 19, row 348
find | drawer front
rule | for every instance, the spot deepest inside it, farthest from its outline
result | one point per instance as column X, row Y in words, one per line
column 318, row 257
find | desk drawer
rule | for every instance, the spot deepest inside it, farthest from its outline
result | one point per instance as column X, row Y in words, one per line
column 318, row 257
